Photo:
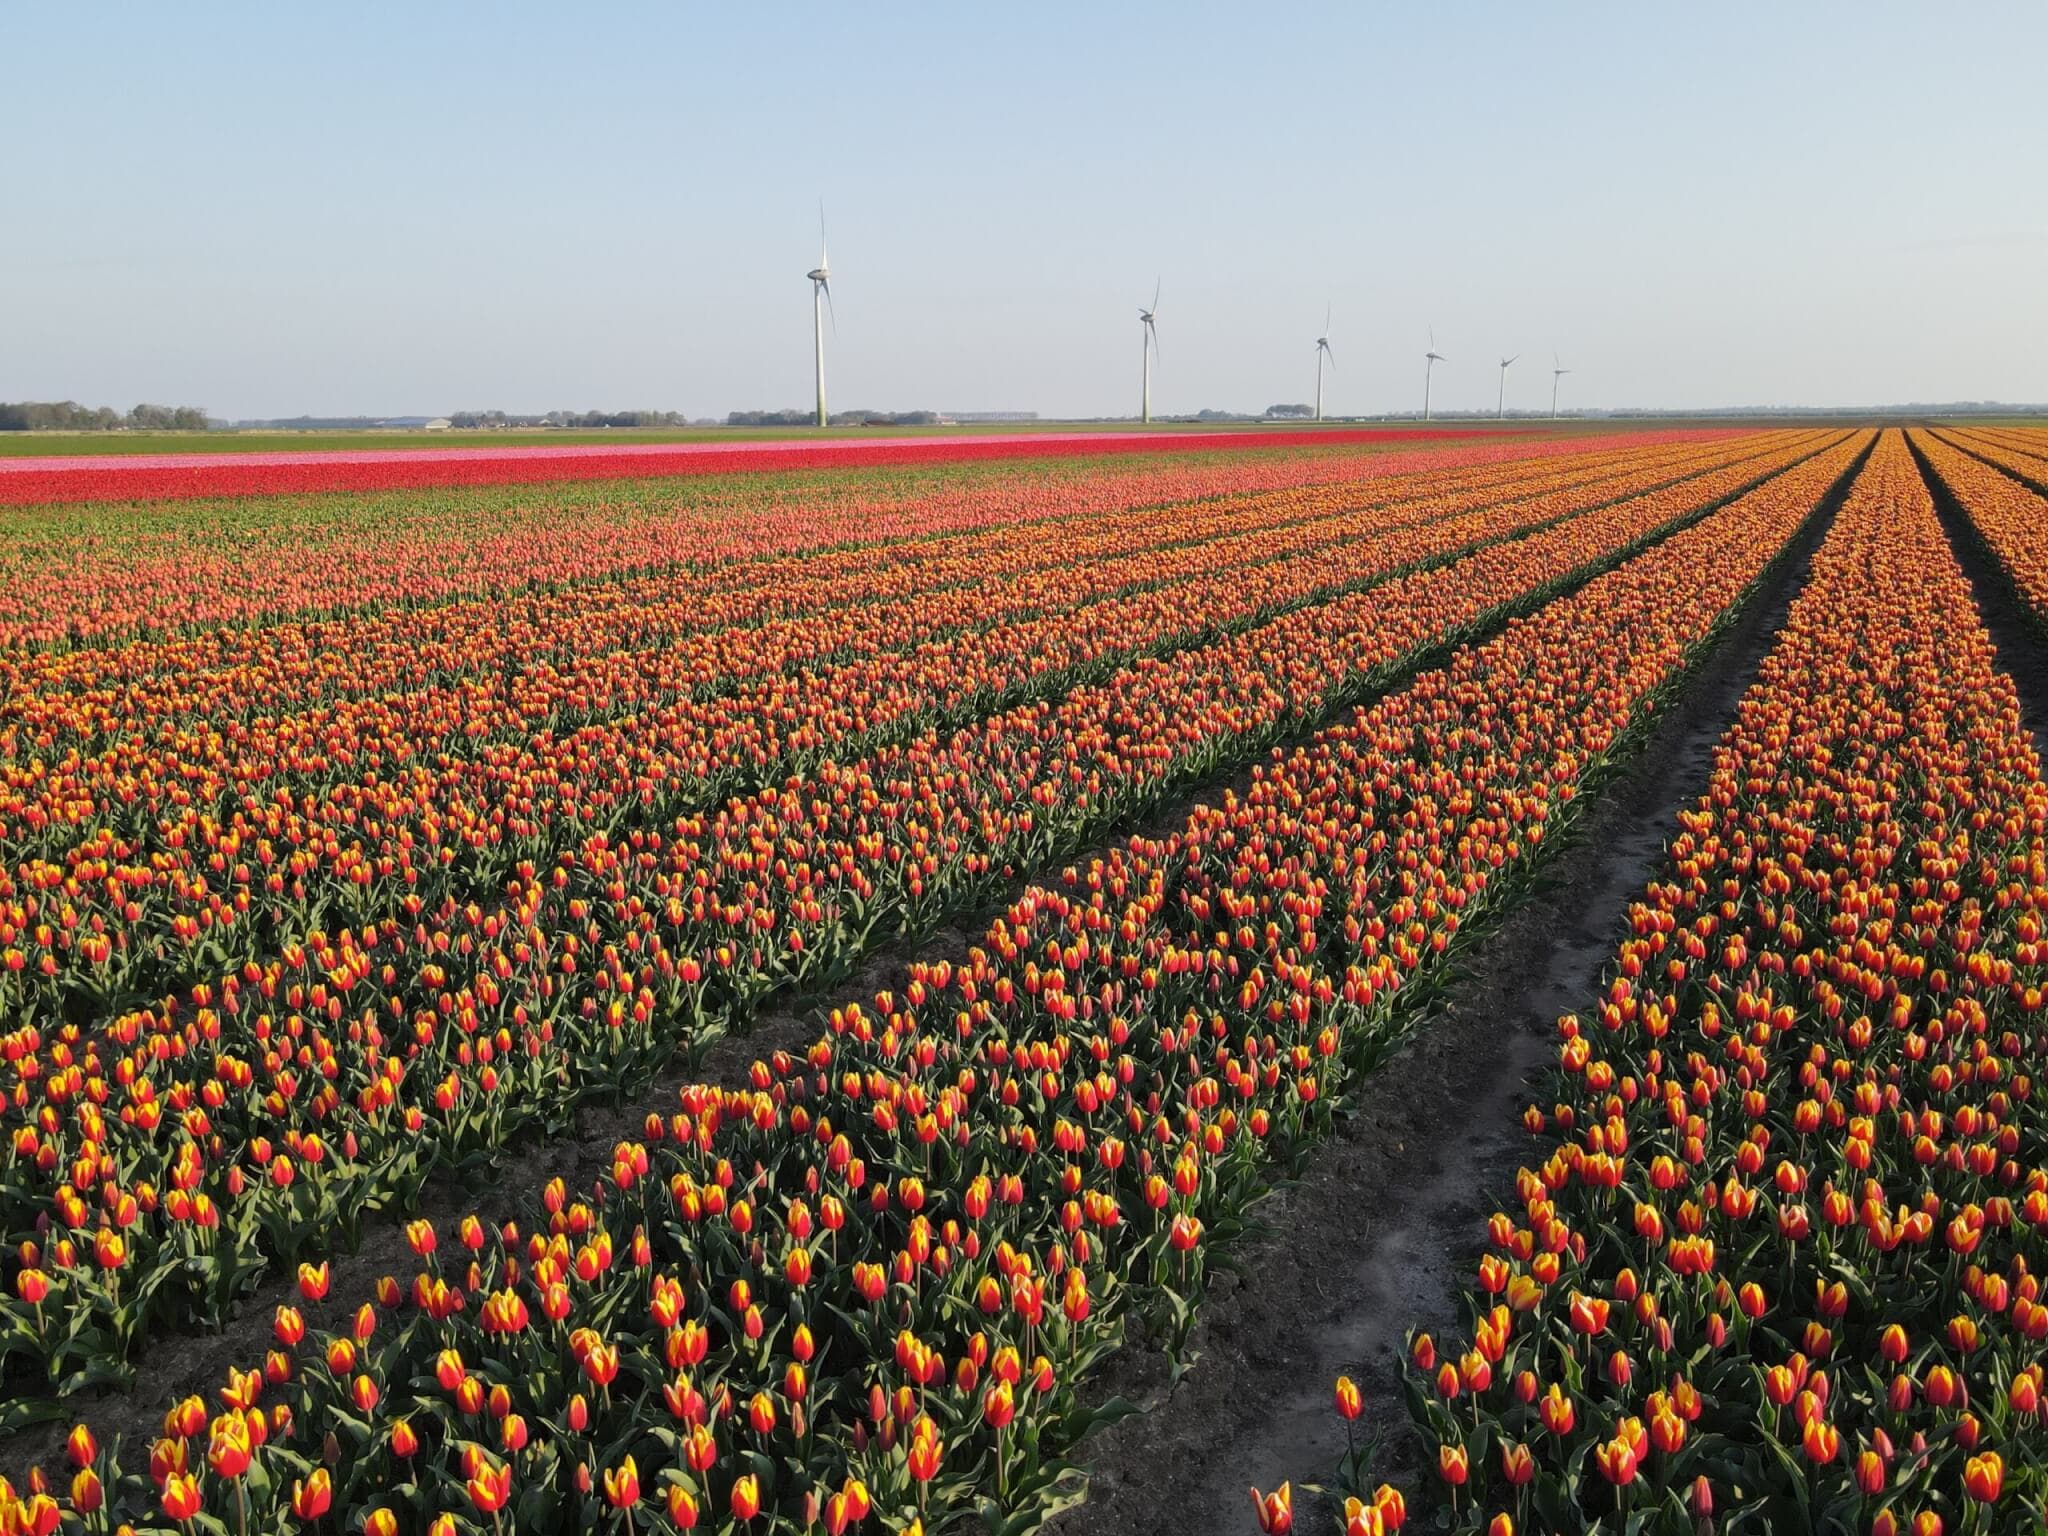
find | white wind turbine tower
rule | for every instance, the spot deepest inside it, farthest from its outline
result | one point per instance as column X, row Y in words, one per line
column 1147, row 324
column 1556, row 373
column 1500, row 404
column 1433, row 357
column 1322, row 351
column 821, row 299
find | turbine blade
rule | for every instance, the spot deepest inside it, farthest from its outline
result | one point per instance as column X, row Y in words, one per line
column 1333, row 356
column 830, row 307
column 1155, row 295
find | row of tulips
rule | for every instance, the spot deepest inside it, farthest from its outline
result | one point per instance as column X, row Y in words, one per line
column 156, row 861
column 1782, row 1268
column 433, row 638
column 85, row 721
column 79, row 725
column 86, row 573
column 2009, row 518
column 342, row 471
column 2019, row 450
column 863, row 1291
column 178, row 1151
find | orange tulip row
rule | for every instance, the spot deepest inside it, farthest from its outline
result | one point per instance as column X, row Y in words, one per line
column 2023, row 451
column 237, row 701
column 1784, row 1269
column 206, row 846
column 283, row 666
column 239, row 1121
column 866, row 1287
column 81, row 572
column 2011, row 519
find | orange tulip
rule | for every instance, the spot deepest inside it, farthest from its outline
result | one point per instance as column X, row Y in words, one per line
column 1984, row 1476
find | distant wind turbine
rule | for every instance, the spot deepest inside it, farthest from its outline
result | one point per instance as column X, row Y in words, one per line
column 1323, row 350
column 821, row 300
column 1556, row 373
column 1433, row 357
column 1500, row 404
column 1147, row 323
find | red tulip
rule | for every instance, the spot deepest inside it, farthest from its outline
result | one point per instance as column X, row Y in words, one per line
column 1275, row 1510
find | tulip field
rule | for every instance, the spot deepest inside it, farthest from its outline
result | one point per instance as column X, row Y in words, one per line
column 367, row 827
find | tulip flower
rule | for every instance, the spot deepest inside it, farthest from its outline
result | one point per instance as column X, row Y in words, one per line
column 681, row 1505
column 1451, row 1465
column 746, row 1498
column 1275, row 1510
column 622, row 1484
column 1984, row 1476
column 88, row 1495
column 490, row 1488
column 312, row 1496
column 180, row 1497
column 1349, row 1403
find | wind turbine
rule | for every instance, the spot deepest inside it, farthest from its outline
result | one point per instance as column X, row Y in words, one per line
column 1146, row 321
column 821, row 299
column 1500, row 404
column 1556, row 373
column 1322, row 351
column 1429, row 367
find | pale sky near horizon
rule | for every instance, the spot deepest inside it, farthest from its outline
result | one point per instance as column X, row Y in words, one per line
column 389, row 209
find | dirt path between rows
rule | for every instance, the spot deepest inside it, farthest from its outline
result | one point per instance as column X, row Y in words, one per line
column 1391, row 1215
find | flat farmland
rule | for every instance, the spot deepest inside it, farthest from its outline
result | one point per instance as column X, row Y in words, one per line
column 889, row 983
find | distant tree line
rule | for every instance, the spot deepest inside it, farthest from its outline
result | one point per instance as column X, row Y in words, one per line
column 836, row 418
column 488, row 419
column 70, row 416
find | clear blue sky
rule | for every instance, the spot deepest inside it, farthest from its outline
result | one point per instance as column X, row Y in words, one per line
column 283, row 208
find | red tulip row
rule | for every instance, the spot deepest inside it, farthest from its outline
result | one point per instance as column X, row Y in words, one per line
column 864, row 1290
column 81, row 573
column 260, row 1114
column 1784, row 1269
column 226, row 853
column 2011, row 520
column 344, row 471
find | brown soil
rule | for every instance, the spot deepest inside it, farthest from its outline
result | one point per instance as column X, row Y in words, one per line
column 1390, row 1216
